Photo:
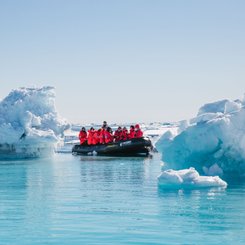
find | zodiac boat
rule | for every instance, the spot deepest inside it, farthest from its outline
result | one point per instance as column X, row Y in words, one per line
column 133, row 147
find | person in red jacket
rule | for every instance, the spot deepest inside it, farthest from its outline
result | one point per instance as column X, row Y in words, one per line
column 102, row 136
column 131, row 134
column 96, row 137
column 118, row 134
column 138, row 132
column 108, row 135
column 90, row 136
column 82, row 136
column 124, row 133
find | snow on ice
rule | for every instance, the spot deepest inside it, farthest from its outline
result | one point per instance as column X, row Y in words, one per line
column 213, row 142
column 29, row 123
column 188, row 179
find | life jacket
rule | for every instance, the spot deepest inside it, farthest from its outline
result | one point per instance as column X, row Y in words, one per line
column 108, row 137
column 131, row 134
column 90, row 137
column 82, row 137
column 125, row 134
column 95, row 139
column 102, row 136
column 138, row 133
column 118, row 135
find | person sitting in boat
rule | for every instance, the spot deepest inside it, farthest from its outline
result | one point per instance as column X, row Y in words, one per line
column 102, row 135
column 108, row 135
column 118, row 134
column 96, row 137
column 90, row 136
column 124, row 133
column 82, row 136
column 131, row 134
column 138, row 132
column 105, row 126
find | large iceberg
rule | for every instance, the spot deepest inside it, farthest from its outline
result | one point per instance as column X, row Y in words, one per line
column 29, row 123
column 213, row 142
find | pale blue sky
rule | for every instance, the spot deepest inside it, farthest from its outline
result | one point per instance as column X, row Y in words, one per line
column 128, row 60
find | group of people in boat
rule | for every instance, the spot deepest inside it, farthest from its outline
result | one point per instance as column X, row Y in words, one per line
column 105, row 135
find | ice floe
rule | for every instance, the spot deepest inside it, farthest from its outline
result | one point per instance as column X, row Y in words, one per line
column 188, row 179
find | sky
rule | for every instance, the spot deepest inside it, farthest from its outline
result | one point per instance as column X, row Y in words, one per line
column 125, row 60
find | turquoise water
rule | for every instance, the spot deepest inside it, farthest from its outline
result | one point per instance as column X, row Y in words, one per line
column 101, row 200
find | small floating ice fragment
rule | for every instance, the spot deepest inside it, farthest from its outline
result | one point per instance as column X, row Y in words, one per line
column 189, row 179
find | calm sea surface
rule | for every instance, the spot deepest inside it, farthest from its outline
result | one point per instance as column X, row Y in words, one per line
column 101, row 200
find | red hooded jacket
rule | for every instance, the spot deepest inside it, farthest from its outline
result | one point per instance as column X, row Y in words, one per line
column 108, row 137
column 82, row 136
column 131, row 134
column 90, row 136
column 118, row 135
column 102, row 136
column 96, row 137
column 138, row 132
column 125, row 134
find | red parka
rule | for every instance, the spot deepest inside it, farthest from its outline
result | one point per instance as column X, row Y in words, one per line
column 102, row 136
column 108, row 137
column 96, row 137
column 82, row 137
column 138, row 133
column 118, row 135
column 131, row 134
column 124, row 134
column 90, row 136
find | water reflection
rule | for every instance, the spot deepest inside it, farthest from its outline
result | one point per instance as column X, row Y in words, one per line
column 112, row 169
column 75, row 200
column 12, row 176
column 208, row 210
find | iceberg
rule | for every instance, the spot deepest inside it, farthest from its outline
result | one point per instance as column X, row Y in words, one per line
column 30, row 126
column 188, row 179
column 213, row 142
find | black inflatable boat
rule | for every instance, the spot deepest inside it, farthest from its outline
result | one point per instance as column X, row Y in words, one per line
column 133, row 147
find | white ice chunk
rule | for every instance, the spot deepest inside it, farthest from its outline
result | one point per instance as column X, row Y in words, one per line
column 232, row 106
column 213, row 142
column 29, row 120
column 189, row 179
column 214, row 107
